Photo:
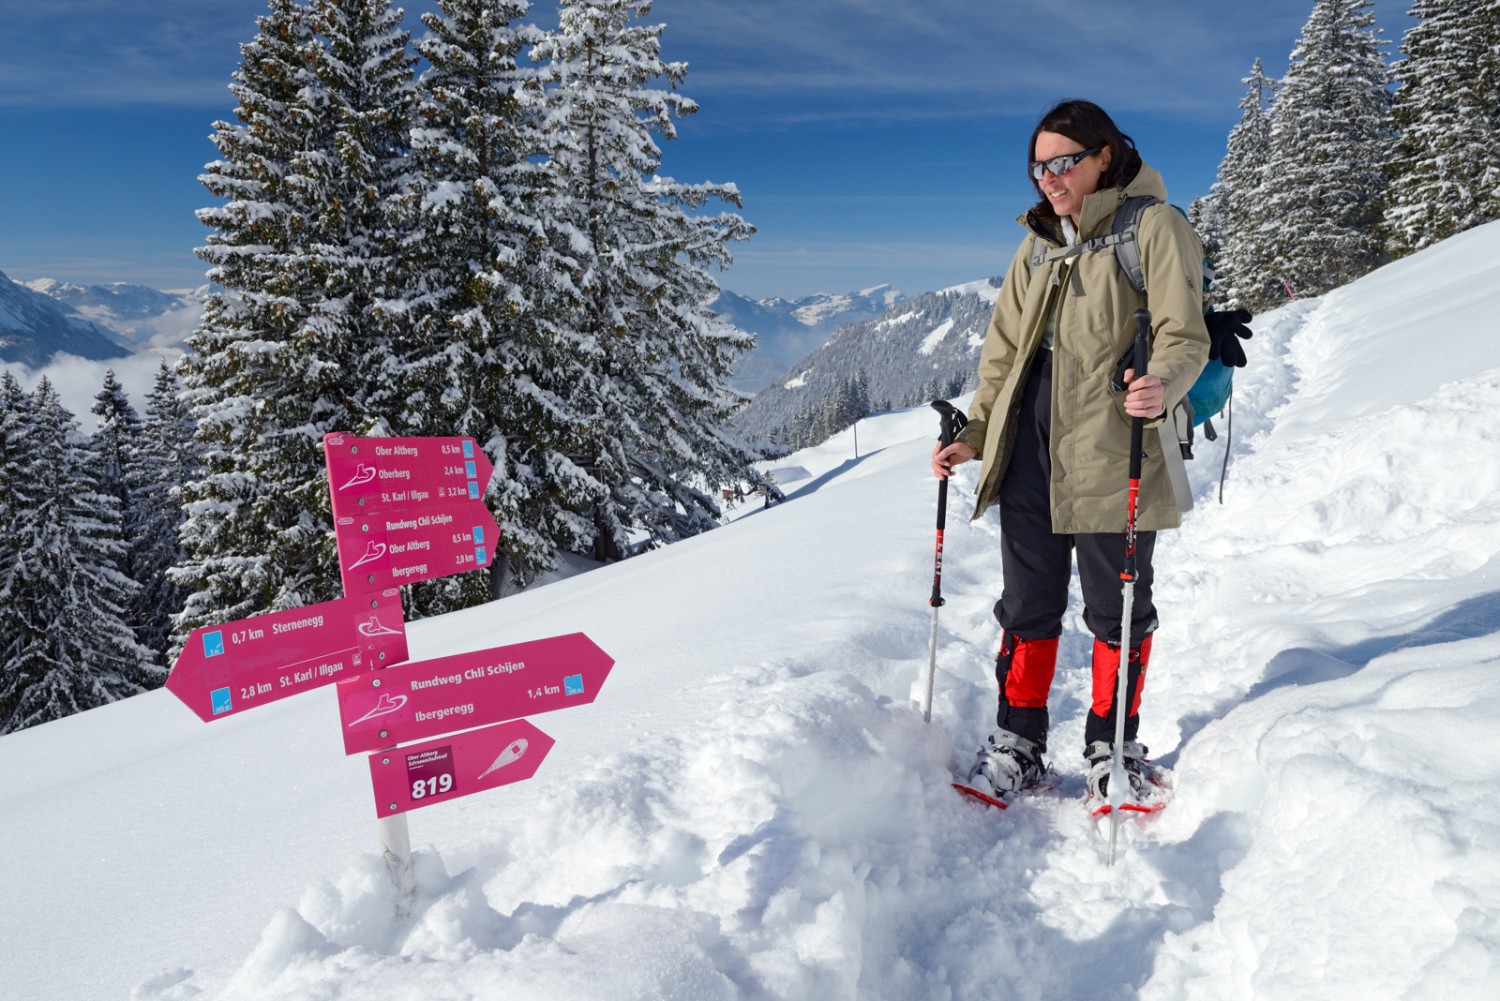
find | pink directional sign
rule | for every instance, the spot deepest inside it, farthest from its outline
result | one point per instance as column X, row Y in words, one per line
column 364, row 473
column 457, row 765
column 383, row 548
column 418, row 700
column 226, row 669
column 408, row 509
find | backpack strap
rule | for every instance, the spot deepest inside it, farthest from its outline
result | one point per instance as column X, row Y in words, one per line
column 1123, row 236
column 1040, row 253
column 1127, row 226
column 1126, row 236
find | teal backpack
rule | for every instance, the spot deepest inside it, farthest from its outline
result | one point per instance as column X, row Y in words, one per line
column 1211, row 393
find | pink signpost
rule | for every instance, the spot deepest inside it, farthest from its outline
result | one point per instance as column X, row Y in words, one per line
column 380, row 709
column 228, row 668
column 408, row 509
column 418, row 775
column 384, row 548
column 388, row 473
column 405, row 510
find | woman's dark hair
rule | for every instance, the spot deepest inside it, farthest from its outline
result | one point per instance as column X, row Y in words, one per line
column 1086, row 123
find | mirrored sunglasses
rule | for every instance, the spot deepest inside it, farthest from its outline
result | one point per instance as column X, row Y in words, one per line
column 1060, row 165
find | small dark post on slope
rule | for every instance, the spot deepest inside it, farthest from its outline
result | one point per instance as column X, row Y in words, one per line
column 952, row 422
column 1118, row 781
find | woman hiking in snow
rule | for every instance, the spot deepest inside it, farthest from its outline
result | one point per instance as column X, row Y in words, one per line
column 1054, row 433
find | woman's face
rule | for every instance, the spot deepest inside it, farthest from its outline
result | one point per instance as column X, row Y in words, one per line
column 1066, row 191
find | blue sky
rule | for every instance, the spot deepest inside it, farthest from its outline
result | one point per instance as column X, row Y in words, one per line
column 873, row 140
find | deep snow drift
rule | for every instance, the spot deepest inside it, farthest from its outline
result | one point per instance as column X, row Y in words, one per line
column 753, row 808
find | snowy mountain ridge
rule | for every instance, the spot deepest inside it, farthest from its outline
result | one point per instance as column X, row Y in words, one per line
column 753, row 809
column 821, row 308
column 140, row 318
column 136, row 313
column 33, row 328
column 932, row 336
column 789, row 329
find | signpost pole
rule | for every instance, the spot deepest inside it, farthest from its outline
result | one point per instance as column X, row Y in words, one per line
column 395, row 846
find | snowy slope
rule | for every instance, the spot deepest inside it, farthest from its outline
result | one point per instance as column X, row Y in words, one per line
column 753, row 808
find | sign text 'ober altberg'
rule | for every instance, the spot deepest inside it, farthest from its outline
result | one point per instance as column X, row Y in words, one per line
column 408, row 509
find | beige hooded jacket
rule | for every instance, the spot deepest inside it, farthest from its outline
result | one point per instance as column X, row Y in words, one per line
column 1093, row 327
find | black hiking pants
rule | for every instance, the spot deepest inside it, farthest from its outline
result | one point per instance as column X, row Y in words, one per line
column 1038, row 563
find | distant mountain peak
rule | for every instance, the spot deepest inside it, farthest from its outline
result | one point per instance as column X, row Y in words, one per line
column 824, row 310
column 34, row 327
column 132, row 313
column 933, row 337
column 788, row 330
column 119, row 300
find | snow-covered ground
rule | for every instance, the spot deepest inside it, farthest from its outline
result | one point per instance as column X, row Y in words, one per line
column 754, row 809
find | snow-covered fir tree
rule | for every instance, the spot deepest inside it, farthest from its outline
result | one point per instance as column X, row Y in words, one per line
column 251, row 540
column 15, row 466
column 1244, row 274
column 654, row 393
column 796, row 432
column 1325, row 178
column 124, row 464
column 363, row 107
column 114, row 443
column 166, row 456
column 926, row 393
column 480, row 354
column 859, row 394
column 936, row 388
column 1446, row 115
column 1489, row 82
column 850, row 401
column 67, row 646
column 287, row 350
column 1206, row 214
column 838, row 411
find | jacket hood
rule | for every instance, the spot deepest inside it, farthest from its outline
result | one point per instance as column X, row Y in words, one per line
column 1099, row 208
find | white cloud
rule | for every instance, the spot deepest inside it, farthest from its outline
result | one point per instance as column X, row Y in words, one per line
column 864, row 57
column 101, row 53
column 78, row 380
column 871, row 58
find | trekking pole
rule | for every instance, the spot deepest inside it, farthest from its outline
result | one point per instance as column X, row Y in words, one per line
column 1118, row 781
column 952, row 422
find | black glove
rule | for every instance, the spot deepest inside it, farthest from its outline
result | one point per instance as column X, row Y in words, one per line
column 1223, row 331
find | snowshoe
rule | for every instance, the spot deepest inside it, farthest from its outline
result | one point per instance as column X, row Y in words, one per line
column 1007, row 765
column 1148, row 786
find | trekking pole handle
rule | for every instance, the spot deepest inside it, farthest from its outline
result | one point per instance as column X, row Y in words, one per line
column 1142, row 356
column 953, row 421
column 1142, row 340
